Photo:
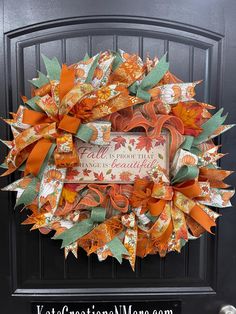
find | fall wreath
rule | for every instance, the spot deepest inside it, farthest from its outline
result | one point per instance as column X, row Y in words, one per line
column 117, row 157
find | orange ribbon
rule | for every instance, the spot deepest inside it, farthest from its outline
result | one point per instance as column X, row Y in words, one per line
column 146, row 117
column 37, row 156
column 67, row 80
column 108, row 196
column 67, row 123
column 39, row 152
column 187, row 191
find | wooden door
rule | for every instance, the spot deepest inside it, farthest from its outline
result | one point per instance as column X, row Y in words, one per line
column 199, row 37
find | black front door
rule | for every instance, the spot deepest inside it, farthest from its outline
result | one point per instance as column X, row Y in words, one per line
column 200, row 39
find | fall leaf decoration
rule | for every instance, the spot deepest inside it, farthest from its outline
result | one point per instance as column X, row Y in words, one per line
column 191, row 115
column 98, row 101
column 145, row 143
column 120, row 141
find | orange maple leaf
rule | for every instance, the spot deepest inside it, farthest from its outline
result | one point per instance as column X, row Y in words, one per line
column 191, row 116
column 125, row 176
column 99, row 177
column 120, row 141
column 72, row 173
column 144, row 142
column 86, row 172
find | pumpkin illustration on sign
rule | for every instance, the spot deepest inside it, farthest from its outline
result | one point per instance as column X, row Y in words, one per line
column 85, row 103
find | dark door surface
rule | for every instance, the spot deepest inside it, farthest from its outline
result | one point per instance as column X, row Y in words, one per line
column 200, row 39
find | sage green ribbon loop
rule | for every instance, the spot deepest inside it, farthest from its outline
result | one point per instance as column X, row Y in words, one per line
column 143, row 95
column 209, row 127
column 81, row 228
column 84, row 133
column 195, row 150
column 185, row 173
column 98, row 214
column 188, row 142
column 133, row 88
column 153, row 77
column 117, row 249
column 92, row 69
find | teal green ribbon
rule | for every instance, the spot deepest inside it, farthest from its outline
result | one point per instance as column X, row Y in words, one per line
column 40, row 80
column 21, row 168
column 209, row 127
column 32, row 104
column 190, row 144
column 53, row 68
column 153, row 77
column 134, row 88
column 92, row 69
column 117, row 249
column 29, row 194
column 81, row 228
column 86, row 57
column 185, row 173
column 117, row 60
column 84, row 133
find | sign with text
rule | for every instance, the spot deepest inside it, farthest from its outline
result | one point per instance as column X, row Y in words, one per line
column 127, row 156
column 145, row 307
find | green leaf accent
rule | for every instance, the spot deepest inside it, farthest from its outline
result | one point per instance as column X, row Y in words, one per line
column 53, row 68
column 160, row 156
column 32, row 103
column 29, row 193
column 153, row 77
column 92, row 69
column 210, row 126
column 109, row 171
column 117, row 248
column 40, row 81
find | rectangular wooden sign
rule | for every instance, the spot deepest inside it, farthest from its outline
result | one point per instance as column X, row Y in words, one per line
column 127, row 157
